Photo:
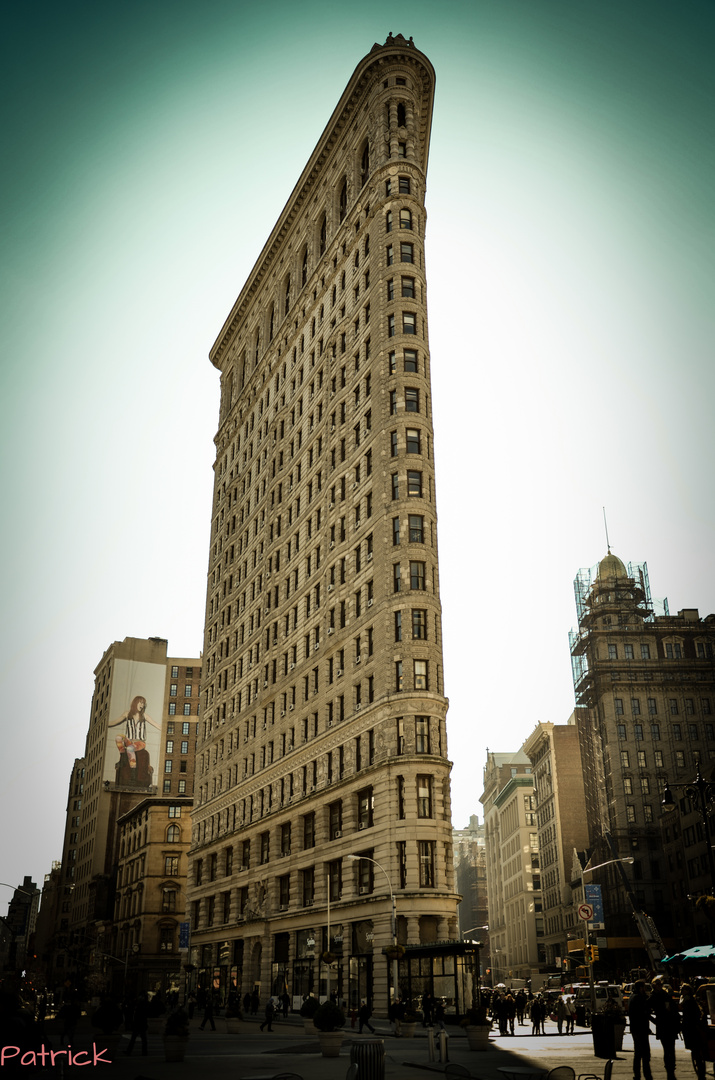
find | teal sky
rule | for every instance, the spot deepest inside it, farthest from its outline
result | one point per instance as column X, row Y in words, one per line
column 149, row 148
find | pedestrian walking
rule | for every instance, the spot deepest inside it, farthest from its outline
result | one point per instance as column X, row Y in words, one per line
column 140, row 1023
column 694, row 1026
column 364, row 1014
column 639, row 1013
column 520, row 1001
column 667, row 1024
column 536, row 1014
column 208, row 1014
column 570, row 1015
column 269, row 1014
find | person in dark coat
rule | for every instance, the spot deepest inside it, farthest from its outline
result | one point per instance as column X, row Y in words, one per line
column 667, row 1024
column 537, row 1012
column 364, row 1015
column 140, row 1023
column 208, row 1013
column 269, row 1011
column 285, row 1002
column 639, row 1012
column 255, row 1002
column 694, row 1026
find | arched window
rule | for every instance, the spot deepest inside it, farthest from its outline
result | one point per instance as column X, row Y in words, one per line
column 343, row 200
column 304, row 268
column 173, row 834
column 365, row 165
column 405, row 219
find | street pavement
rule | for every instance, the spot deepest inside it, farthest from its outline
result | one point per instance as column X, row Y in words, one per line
column 256, row 1055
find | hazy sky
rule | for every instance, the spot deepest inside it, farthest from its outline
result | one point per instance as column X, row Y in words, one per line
column 148, row 150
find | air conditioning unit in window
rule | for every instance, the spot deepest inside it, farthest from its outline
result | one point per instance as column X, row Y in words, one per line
column 242, row 867
column 265, row 684
column 357, row 523
column 358, row 706
column 292, row 666
column 316, row 646
column 284, row 907
column 369, row 556
column 358, row 659
column 361, row 825
column 330, row 630
column 291, row 707
column 283, row 712
column 363, row 889
column 369, row 603
column 339, row 672
column 285, row 854
column 355, row 484
column 337, row 834
column 330, row 587
column 332, row 543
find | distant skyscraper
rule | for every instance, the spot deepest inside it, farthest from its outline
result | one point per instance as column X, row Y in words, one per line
column 323, row 734
column 646, row 679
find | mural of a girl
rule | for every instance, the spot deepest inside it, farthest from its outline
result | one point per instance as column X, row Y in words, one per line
column 135, row 720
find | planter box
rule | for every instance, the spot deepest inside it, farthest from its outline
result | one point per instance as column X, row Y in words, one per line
column 175, row 1047
column 478, row 1036
column 330, row 1043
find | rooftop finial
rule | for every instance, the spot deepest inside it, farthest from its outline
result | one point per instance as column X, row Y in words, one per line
column 605, row 525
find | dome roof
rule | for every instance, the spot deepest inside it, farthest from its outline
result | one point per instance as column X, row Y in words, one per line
column 611, row 567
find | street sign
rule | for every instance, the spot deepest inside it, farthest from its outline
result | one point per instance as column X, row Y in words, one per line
column 592, row 896
column 585, row 912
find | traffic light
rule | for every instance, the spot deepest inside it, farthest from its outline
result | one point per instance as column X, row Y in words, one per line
column 594, row 953
column 587, row 955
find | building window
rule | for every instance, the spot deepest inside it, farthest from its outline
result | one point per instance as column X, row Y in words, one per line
column 187, row 708
column 619, row 706
column 182, row 787
column 419, row 624
column 422, row 736
column 393, row 444
column 396, row 578
column 174, row 811
column 405, row 218
column 393, row 402
column 612, row 652
column 404, row 185
column 645, row 652
column 398, row 626
column 173, row 834
column 391, row 326
column 174, row 672
column 416, row 525
column 168, row 900
column 622, row 731
column 625, row 760
column 395, row 486
column 173, row 690
column 627, row 785
column 308, row 886
column 421, row 680
column 628, row 652
column 424, row 796
column 407, row 253
column 412, row 399
column 171, row 866
column 408, row 288
column 167, row 787
column 284, row 892
column 414, row 484
column 413, row 441
column 673, row 706
column 426, row 861
column 187, row 690
column 409, row 322
column 635, row 706
column 335, row 879
column 655, row 732
column 417, row 575
column 172, row 708
column 265, row 847
column 395, row 532
column 365, row 806
column 335, row 820
column 410, row 360
column 398, row 676
column 170, row 746
column 168, row 765
column 630, row 814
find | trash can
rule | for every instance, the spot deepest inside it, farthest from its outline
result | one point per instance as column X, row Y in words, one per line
column 370, row 1057
column 604, row 1036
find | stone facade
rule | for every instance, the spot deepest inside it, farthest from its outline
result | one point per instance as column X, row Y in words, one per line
column 103, row 787
column 516, row 928
column 324, row 722
column 560, row 807
column 646, row 681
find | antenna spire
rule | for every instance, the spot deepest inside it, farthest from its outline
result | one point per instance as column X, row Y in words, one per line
column 605, row 525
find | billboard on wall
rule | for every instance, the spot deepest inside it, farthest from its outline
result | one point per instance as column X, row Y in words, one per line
column 136, row 708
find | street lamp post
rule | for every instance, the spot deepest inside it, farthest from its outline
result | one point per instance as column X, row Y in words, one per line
column 701, row 792
column 395, row 962
column 589, row 870
column 478, row 996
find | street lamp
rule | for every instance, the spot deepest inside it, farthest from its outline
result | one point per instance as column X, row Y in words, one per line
column 357, row 858
column 478, row 996
column 701, row 792
column 589, row 870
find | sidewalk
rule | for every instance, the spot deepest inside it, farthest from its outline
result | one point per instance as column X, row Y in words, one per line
column 253, row 1054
